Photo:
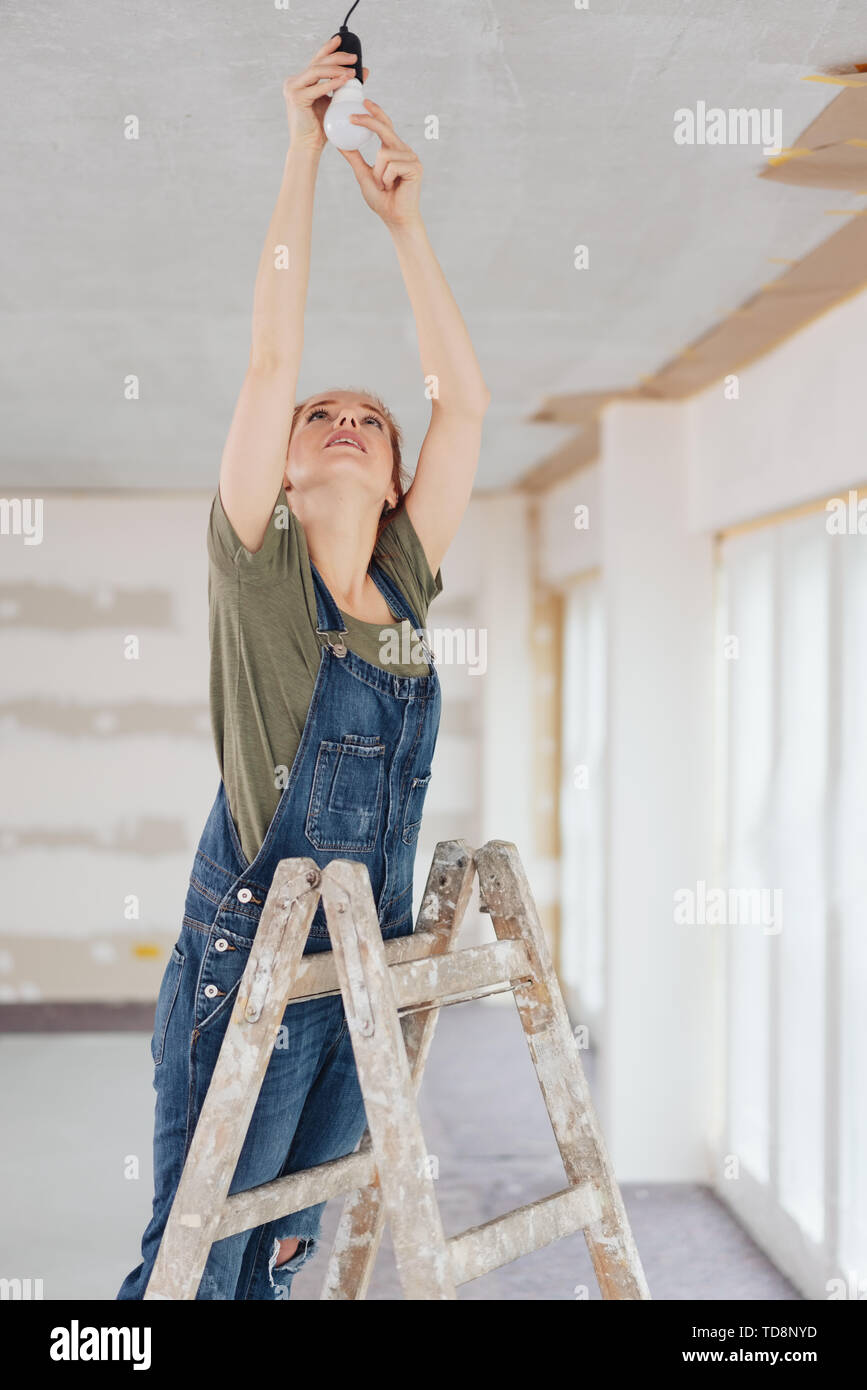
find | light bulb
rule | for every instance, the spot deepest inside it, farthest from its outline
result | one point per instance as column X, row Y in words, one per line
column 347, row 101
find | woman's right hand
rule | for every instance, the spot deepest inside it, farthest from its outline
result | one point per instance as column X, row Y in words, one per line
column 307, row 95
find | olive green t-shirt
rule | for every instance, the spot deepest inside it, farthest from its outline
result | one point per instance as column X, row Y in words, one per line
column 265, row 651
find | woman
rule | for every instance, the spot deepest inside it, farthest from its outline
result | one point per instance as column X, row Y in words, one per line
column 324, row 744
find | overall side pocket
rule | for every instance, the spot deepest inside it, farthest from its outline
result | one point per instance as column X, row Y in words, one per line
column 171, row 983
column 414, row 807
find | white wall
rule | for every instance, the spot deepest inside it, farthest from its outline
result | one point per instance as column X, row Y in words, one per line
column 796, row 431
column 565, row 550
column 109, row 767
column 657, row 581
column 507, row 812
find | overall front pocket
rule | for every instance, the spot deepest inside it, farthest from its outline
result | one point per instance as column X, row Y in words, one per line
column 346, row 795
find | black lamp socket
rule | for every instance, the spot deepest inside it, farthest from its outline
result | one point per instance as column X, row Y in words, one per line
column 351, row 43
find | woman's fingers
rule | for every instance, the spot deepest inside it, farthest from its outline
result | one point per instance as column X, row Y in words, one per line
column 407, row 169
column 330, row 69
column 386, row 153
column 339, row 64
column 378, row 114
column 377, row 110
column 388, row 156
column 381, row 125
column 393, row 151
column 360, row 167
column 316, row 81
column 384, row 129
column 334, row 42
column 327, row 61
column 312, row 76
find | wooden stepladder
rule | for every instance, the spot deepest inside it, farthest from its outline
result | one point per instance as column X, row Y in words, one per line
column 392, row 992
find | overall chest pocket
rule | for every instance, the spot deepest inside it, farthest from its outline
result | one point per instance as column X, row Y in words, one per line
column 347, row 793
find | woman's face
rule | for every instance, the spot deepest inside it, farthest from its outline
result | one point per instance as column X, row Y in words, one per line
column 339, row 436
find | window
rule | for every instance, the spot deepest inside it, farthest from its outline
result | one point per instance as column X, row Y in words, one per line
column 793, row 671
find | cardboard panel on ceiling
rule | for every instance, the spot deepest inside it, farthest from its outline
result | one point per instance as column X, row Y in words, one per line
column 832, row 151
column 837, row 268
column 578, row 452
column 842, row 166
column 578, row 408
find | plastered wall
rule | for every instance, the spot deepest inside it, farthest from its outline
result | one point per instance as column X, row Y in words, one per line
column 108, row 762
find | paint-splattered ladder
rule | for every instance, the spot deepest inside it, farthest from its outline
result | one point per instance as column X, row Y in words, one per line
column 392, row 992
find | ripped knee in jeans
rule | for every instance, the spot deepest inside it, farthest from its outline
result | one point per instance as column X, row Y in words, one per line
column 304, row 1251
column 291, row 1243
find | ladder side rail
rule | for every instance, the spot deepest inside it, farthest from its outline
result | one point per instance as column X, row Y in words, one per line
column 506, row 893
column 359, row 1233
column 386, row 1083
column 233, row 1090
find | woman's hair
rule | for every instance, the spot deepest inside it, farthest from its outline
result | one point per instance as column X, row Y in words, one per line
column 399, row 476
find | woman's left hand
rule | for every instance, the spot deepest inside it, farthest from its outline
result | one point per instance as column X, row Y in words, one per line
column 392, row 185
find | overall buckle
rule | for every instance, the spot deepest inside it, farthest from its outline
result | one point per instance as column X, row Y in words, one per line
column 338, row 647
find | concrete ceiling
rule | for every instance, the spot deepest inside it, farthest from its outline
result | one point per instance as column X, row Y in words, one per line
column 556, row 128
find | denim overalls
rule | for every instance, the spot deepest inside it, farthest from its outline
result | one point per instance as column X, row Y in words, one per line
column 355, row 791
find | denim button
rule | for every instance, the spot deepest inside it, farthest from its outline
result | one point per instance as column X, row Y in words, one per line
column 221, row 945
column 210, row 991
column 244, row 895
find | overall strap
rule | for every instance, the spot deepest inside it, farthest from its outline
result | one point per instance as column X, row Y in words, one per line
column 396, row 601
column 328, row 615
column 398, row 604
column 330, row 619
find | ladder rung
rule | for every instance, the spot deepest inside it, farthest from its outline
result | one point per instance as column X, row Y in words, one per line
column 415, row 972
column 520, row 1232
column 423, row 981
column 317, row 973
column 295, row 1192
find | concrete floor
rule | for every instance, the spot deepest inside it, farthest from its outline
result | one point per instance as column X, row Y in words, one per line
column 83, row 1108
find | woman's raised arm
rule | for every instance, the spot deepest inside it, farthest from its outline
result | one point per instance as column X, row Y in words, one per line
column 447, row 463
column 254, row 457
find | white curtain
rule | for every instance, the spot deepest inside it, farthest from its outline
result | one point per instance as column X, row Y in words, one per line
column 582, row 800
